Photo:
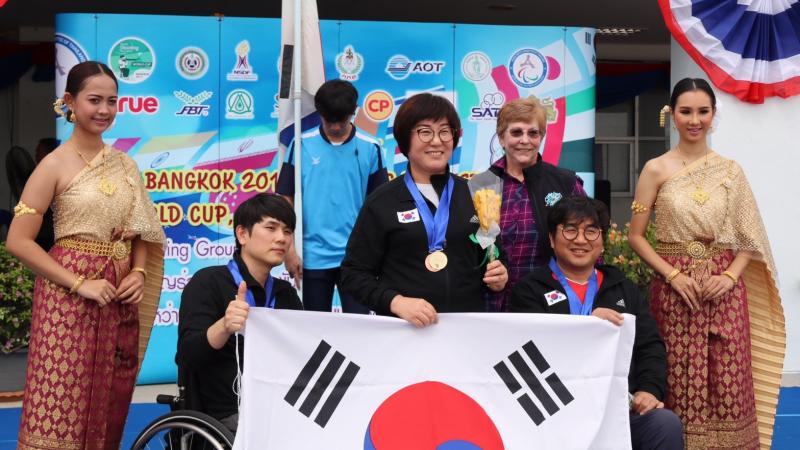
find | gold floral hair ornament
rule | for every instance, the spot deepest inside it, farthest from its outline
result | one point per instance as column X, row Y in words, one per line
column 59, row 106
column 638, row 208
column 662, row 116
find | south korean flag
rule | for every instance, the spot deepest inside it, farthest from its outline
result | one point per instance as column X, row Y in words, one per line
column 473, row 381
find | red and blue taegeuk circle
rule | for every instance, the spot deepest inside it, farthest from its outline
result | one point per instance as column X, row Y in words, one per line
column 431, row 415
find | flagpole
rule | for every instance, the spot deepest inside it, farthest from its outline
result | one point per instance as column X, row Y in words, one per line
column 297, row 96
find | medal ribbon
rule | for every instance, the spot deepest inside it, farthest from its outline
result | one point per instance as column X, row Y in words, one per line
column 575, row 306
column 237, row 278
column 435, row 225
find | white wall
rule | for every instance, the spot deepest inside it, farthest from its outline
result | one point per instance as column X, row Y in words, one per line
column 763, row 140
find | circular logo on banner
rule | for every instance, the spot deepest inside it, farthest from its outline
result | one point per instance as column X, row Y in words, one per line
column 409, row 419
column 349, row 64
column 191, row 63
column 378, row 105
column 476, row 66
column 132, row 60
column 398, row 67
column 527, row 68
column 68, row 53
column 239, row 105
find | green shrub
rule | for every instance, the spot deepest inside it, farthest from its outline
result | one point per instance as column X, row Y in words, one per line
column 16, row 300
column 618, row 253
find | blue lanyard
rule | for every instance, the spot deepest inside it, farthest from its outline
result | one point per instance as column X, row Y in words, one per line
column 237, row 278
column 435, row 226
column 575, row 306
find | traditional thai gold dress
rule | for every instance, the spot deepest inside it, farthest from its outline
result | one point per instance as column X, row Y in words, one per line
column 724, row 361
column 83, row 358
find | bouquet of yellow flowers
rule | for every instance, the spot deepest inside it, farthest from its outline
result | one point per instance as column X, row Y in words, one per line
column 486, row 190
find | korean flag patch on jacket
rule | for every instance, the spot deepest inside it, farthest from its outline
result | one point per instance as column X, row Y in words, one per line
column 554, row 297
column 408, row 216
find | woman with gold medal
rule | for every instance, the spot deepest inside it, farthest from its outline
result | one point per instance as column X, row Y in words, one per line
column 715, row 300
column 99, row 283
column 412, row 252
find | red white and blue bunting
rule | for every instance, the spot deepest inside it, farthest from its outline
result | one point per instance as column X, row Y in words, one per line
column 748, row 48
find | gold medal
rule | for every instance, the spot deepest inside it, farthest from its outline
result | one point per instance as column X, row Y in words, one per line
column 436, row 261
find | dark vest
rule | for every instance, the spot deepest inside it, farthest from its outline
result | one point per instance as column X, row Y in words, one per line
column 542, row 179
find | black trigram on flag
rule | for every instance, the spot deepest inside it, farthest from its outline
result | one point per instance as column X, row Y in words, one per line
column 319, row 392
column 533, row 381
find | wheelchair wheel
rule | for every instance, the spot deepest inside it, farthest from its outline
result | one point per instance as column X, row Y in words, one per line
column 184, row 430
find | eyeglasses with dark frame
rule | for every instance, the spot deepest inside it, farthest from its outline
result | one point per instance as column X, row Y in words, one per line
column 426, row 134
column 590, row 232
column 517, row 133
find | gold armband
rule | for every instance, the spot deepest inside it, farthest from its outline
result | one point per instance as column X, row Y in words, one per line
column 140, row 270
column 671, row 276
column 733, row 278
column 21, row 209
column 77, row 284
column 638, row 208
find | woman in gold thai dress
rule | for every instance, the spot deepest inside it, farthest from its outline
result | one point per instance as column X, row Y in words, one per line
column 97, row 285
column 716, row 299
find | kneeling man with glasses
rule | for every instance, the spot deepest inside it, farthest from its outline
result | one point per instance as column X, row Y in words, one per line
column 577, row 227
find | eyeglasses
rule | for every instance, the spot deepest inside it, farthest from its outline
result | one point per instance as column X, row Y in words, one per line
column 517, row 133
column 590, row 233
column 426, row 134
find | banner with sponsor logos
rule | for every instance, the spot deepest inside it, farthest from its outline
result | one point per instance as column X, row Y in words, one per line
column 477, row 67
column 554, row 63
column 198, row 111
column 472, row 381
column 408, row 58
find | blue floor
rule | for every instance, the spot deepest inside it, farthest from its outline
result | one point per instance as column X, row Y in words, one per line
column 139, row 416
column 787, row 422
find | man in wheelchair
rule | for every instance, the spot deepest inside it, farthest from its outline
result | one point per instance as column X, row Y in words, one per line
column 215, row 303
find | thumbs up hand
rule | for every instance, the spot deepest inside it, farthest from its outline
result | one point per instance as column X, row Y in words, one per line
column 236, row 313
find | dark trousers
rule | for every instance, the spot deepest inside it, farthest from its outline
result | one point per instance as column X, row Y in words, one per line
column 318, row 291
column 231, row 422
column 659, row 429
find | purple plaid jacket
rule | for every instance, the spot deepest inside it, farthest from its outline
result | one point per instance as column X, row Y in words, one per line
column 518, row 234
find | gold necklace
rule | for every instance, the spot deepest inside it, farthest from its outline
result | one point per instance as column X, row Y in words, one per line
column 699, row 195
column 104, row 186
